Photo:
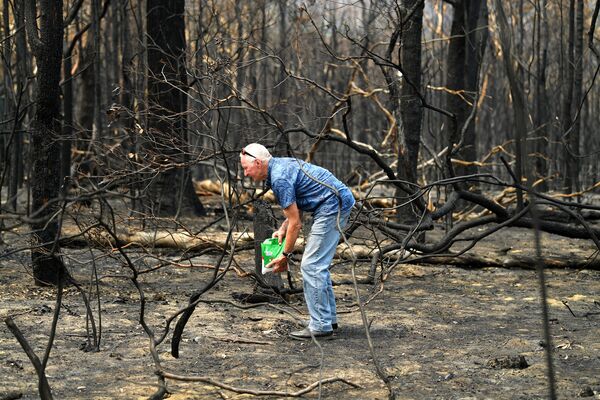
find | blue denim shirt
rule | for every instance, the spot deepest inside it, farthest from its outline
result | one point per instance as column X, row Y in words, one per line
column 294, row 180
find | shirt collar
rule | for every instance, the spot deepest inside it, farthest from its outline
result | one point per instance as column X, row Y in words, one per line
column 269, row 168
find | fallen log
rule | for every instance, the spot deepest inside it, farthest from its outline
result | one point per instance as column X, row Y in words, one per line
column 186, row 241
column 74, row 237
column 511, row 261
column 209, row 187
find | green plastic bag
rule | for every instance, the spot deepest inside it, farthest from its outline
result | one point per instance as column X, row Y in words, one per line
column 270, row 249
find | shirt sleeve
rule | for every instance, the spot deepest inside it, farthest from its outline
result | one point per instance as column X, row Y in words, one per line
column 284, row 192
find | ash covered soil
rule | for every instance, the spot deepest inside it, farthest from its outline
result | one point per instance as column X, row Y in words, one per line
column 437, row 332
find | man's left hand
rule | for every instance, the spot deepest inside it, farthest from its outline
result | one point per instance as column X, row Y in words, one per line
column 279, row 264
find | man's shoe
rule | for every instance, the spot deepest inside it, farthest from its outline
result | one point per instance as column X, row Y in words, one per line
column 307, row 334
column 334, row 326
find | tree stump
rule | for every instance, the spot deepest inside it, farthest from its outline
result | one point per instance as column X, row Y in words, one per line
column 264, row 223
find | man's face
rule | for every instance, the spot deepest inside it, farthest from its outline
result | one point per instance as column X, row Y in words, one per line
column 252, row 168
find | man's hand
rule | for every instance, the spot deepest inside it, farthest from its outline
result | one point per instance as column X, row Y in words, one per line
column 279, row 264
column 279, row 234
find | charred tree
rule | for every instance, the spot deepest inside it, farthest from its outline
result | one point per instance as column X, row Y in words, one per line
column 282, row 145
column 47, row 49
column 574, row 136
column 406, row 99
column 468, row 41
column 14, row 97
column 518, row 100
column 411, row 111
column 126, row 67
column 541, row 114
column 171, row 192
column 87, row 96
column 67, row 129
column 567, row 102
column 6, row 103
column 17, row 168
column 263, row 228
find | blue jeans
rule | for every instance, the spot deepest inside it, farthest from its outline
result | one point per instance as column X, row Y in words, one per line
column 318, row 253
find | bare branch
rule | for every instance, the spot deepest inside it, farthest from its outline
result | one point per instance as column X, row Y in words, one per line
column 214, row 382
column 44, row 387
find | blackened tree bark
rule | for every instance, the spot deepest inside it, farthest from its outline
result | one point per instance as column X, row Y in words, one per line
column 541, row 114
column 263, row 228
column 411, row 111
column 89, row 86
column 567, row 103
column 519, row 102
column 6, row 103
column 171, row 192
column 86, row 98
column 468, row 40
column 574, row 136
column 23, row 68
column 403, row 93
column 46, row 128
column 283, row 143
column 126, row 68
column 67, row 129
column 455, row 81
column 96, row 66
column 14, row 99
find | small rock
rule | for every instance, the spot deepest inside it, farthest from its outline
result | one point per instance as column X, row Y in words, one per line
column 447, row 377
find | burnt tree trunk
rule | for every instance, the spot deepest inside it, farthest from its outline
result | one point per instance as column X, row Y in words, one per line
column 6, row 103
column 455, row 79
column 86, row 99
column 14, row 111
column 476, row 43
column 567, row 104
column 46, row 129
column 519, row 102
column 67, row 129
column 96, row 67
column 465, row 54
column 411, row 111
column 126, row 70
column 409, row 104
column 263, row 229
column 574, row 137
column 171, row 192
column 282, row 146
column 541, row 115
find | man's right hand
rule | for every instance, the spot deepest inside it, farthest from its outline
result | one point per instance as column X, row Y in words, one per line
column 280, row 264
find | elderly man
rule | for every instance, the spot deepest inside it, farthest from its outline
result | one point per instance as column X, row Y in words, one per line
column 300, row 186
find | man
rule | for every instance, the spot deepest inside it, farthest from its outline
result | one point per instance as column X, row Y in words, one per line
column 300, row 186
